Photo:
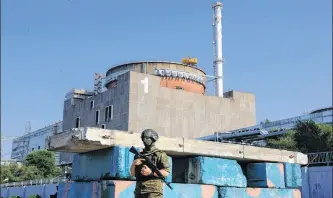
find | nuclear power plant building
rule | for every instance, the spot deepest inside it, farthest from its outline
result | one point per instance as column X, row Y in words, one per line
column 166, row 96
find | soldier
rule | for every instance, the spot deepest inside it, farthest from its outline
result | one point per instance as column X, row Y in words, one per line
column 148, row 185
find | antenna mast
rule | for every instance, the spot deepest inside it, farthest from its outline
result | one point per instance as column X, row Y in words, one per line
column 28, row 126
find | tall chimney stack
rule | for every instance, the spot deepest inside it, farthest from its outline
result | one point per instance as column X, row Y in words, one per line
column 218, row 59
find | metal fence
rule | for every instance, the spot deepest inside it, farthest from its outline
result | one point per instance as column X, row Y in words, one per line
column 320, row 158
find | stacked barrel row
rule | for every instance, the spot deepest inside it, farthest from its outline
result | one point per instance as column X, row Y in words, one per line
column 106, row 173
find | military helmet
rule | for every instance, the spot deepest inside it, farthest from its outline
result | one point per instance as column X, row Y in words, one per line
column 150, row 133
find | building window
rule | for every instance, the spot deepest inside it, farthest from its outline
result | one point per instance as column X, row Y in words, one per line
column 78, row 122
column 32, row 149
column 110, row 113
column 38, row 147
column 92, row 104
column 106, row 114
column 97, row 117
column 103, row 126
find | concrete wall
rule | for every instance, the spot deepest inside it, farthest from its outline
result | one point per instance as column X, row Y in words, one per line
column 208, row 170
column 177, row 113
column 171, row 112
column 44, row 190
column 266, row 175
column 108, row 163
column 125, row 189
column 293, row 175
column 231, row 192
column 225, row 170
column 117, row 97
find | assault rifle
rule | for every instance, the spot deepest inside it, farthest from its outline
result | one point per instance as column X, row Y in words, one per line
column 151, row 166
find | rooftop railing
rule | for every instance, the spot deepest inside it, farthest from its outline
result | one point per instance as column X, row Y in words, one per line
column 320, row 158
column 35, row 182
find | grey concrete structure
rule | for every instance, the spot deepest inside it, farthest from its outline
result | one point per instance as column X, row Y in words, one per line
column 139, row 102
column 91, row 110
column 176, row 113
column 91, row 139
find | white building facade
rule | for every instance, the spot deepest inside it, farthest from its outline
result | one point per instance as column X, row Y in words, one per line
column 33, row 141
column 322, row 115
column 262, row 130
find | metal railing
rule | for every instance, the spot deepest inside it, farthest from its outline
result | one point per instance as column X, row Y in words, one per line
column 321, row 158
column 35, row 182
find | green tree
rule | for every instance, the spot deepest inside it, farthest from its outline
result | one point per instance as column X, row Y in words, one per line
column 307, row 137
column 31, row 173
column 6, row 174
column 16, row 173
column 44, row 161
column 266, row 121
column 312, row 137
column 37, row 165
column 285, row 141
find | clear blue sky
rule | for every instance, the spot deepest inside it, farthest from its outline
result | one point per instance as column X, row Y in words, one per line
column 279, row 50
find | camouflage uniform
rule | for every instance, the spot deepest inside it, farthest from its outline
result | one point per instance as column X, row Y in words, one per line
column 147, row 186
